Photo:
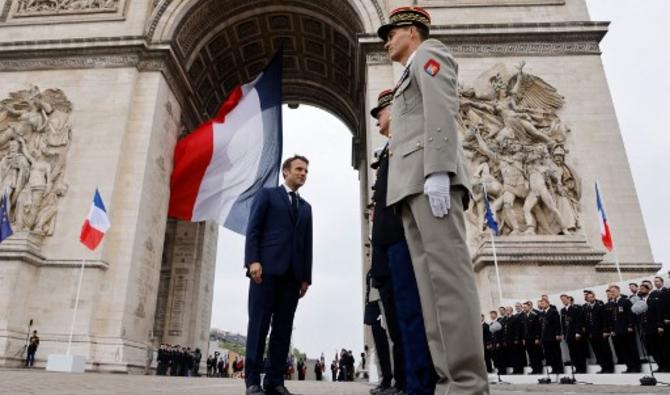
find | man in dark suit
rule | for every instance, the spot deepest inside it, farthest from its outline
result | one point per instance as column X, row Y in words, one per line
column 487, row 338
column 550, row 324
column 514, row 339
column 597, row 332
column 663, row 294
column 278, row 258
column 623, row 331
column 531, row 337
column 572, row 320
column 651, row 323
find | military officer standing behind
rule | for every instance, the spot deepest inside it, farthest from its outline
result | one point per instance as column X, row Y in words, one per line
column 597, row 332
column 572, row 324
column 531, row 337
column 623, row 331
column 428, row 181
column 550, row 327
column 389, row 245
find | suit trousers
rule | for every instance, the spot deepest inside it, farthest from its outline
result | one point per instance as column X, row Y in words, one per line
column 419, row 371
column 274, row 300
column 625, row 346
column 553, row 356
column 578, row 350
column 382, row 346
column 389, row 304
column 534, row 355
column 603, row 352
column 449, row 299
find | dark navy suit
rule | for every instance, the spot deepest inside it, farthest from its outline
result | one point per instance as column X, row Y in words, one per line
column 282, row 242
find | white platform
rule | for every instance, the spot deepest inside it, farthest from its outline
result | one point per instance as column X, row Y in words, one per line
column 66, row 363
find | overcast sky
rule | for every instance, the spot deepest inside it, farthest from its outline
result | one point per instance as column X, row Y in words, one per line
column 636, row 56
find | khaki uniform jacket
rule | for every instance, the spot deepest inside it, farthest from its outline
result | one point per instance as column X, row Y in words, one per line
column 423, row 125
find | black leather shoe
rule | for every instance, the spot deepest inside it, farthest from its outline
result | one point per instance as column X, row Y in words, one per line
column 279, row 390
column 255, row 390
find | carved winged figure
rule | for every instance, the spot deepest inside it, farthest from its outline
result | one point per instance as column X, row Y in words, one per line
column 514, row 140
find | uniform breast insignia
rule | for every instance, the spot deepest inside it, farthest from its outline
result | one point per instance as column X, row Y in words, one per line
column 431, row 67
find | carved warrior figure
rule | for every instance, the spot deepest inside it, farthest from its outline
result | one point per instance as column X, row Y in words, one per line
column 35, row 134
column 515, row 143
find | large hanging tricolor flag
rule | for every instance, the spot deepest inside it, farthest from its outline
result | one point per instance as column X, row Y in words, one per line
column 5, row 225
column 219, row 167
column 96, row 224
column 604, row 225
column 490, row 220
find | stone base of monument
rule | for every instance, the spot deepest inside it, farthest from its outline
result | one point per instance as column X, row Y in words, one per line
column 66, row 363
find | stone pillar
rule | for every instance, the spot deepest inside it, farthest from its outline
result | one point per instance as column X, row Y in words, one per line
column 185, row 293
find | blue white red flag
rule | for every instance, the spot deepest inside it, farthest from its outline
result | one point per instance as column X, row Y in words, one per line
column 96, row 224
column 605, row 233
column 219, row 167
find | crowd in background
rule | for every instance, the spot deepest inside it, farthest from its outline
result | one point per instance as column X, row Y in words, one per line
column 176, row 360
column 628, row 329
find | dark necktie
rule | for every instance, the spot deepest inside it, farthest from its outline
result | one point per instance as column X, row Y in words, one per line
column 294, row 204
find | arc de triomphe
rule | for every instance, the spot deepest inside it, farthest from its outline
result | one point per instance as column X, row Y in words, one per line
column 97, row 92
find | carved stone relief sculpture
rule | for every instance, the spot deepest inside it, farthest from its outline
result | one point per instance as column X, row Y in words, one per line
column 50, row 7
column 515, row 143
column 35, row 136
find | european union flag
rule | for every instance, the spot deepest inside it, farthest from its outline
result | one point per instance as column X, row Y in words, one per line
column 5, row 226
column 490, row 221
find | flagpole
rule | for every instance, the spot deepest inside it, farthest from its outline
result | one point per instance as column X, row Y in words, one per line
column 495, row 263
column 76, row 306
column 616, row 262
column 495, row 256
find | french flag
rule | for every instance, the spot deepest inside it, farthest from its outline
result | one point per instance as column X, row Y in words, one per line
column 219, row 167
column 96, row 224
column 604, row 225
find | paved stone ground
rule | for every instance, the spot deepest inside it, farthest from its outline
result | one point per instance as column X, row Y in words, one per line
column 23, row 382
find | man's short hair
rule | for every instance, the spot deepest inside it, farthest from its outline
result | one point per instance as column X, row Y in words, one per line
column 614, row 286
column 288, row 162
column 660, row 278
column 646, row 281
column 646, row 286
column 493, row 312
column 629, row 284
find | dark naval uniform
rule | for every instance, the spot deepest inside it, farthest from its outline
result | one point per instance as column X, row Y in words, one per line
column 597, row 333
column 572, row 320
column 623, row 334
column 390, row 251
column 550, row 324
column 532, row 332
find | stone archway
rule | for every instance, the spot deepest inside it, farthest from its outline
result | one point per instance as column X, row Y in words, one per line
column 219, row 45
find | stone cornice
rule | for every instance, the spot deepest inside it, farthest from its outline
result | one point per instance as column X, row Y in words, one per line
column 641, row 267
column 513, row 39
column 102, row 52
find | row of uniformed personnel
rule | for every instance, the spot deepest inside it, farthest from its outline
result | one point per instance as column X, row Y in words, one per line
column 623, row 329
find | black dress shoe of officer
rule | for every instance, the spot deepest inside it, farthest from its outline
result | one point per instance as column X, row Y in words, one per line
column 255, row 390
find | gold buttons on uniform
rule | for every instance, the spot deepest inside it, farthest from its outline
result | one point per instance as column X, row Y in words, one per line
column 438, row 130
column 430, row 139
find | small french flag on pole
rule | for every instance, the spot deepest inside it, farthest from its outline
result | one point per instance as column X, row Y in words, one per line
column 96, row 224
column 604, row 225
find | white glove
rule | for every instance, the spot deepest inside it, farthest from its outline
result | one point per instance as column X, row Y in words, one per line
column 436, row 187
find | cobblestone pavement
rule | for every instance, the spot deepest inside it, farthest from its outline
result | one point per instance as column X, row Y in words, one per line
column 20, row 382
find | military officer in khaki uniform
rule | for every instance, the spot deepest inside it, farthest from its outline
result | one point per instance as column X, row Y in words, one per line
column 429, row 182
